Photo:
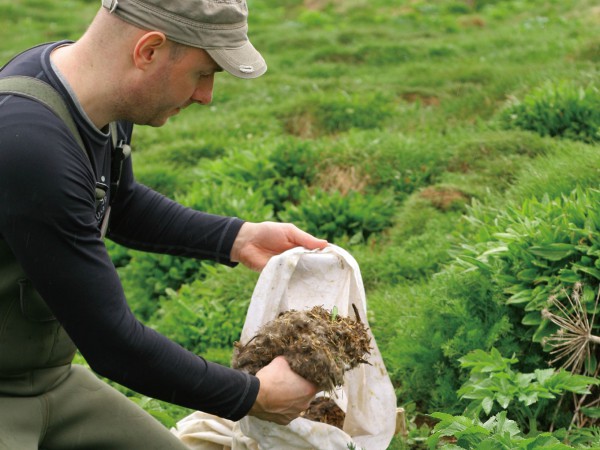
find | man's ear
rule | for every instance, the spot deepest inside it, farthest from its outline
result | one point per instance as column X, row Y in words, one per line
column 144, row 52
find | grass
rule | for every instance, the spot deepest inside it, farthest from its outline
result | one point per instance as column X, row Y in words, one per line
column 393, row 96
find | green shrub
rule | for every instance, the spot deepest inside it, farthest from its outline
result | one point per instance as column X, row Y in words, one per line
column 497, row 432
column 343, row 112
column 528, row 398
column 276, row 174
column 537, row 250
column 414, row 248
column 564, row 166
column 492, row 160
column 147, row 276
column 515, row 405
column 235, row 200
column 436, row 323
column 295, row 166
column 332, row 215
column 162, row 178
column 385, row 161
column 558, row 109
column 333, row 113
column 187, row 152
column 207, row 313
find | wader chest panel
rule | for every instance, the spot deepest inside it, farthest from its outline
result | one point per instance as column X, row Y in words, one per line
column 35, row 350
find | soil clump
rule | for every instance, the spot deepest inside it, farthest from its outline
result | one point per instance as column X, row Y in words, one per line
column 318, row 344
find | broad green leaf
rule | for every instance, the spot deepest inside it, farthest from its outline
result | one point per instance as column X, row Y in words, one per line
column 589, row 270
column 487, row 403
column 475, row 262
column 523, row 380
column 528, row 275
column 532, row 318
column 506, row 425
column 544, row 440
column 568, row 276
column 475, row 393
column 503, row 400
column 594, row 413
column 520, row 297
column 528, row 398
column 555, row 251
column 544, row 375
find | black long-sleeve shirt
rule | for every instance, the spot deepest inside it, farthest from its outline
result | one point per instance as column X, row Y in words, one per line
column 50, row 220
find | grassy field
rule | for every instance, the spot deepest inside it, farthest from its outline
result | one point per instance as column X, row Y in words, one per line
column 383, row 126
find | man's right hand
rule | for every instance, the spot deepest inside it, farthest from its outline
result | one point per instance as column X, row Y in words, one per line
column 283, row 394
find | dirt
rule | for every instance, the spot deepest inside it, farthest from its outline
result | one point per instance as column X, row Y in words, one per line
column 325, row 410
column 318, row 344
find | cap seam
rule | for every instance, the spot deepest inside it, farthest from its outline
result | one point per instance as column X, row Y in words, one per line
column 193, row 23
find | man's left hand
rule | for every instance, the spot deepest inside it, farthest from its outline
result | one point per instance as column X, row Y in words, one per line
column 256, row 243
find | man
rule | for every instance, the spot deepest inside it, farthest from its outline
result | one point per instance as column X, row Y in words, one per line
column 140, row 61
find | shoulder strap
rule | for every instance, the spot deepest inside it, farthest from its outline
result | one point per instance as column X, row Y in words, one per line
column 44, row 93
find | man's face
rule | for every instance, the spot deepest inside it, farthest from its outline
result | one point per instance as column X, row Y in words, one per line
column 175, row 83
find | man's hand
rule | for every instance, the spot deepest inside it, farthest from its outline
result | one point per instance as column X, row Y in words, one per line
column 283, row 394
column 256, row 243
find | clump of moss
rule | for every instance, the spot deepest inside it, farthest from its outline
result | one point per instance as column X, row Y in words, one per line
column 318, row 345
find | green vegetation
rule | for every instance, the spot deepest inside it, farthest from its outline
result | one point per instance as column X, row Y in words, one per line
column 451, row 147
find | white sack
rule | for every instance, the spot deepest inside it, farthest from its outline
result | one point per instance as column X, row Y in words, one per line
column 300, row 279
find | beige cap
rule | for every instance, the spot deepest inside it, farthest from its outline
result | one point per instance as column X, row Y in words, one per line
column 218, row 26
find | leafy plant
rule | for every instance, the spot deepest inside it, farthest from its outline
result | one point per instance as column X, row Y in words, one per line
column 333, row 215
column 524, row 396
column 336, row 112
column 207, row 313
column 276, row 174
column 534, row 250
column 558, row 109
column 497, row 432
column 147, row 276
column 434, row 325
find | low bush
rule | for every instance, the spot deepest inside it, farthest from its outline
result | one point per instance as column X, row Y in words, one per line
column 537, row 250
column 415, row 247
column 436, row 323
column 332, row 215
column 167, row 181
column 147, row 276
column 277, row 173
column 515, row 406
column 558, row 109
column 384, row 161
column 333, row 113
column 207, row 313
column 562, row 168
column 493, row 386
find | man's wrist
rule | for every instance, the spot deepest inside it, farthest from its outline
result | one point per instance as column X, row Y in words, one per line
column 239, row 242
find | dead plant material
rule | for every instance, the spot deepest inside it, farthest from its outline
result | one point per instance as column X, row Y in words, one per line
column 424, row 99
column 342, row 179
column 444, row 198
column 573, row 343
column 325, row 410
column 302, row 125
column 319, row 345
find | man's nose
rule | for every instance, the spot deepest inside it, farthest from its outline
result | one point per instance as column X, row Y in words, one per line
column 204, row 90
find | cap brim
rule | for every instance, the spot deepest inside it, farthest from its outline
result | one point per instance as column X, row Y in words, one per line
column 242, row 62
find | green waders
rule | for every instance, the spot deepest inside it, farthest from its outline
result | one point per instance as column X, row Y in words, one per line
column 45, row 402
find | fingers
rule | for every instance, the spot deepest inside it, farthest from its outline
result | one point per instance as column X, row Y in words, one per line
column 256, row 243
column 283, row 394
column 306, row 240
